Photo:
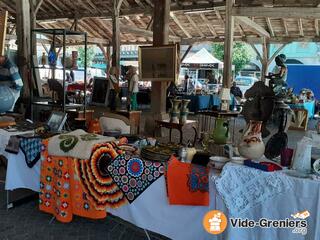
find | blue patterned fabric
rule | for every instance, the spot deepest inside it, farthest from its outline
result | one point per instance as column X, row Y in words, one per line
column 31, row 147
column 198, row 179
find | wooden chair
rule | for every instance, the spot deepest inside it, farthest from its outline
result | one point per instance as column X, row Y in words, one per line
column 299, row 120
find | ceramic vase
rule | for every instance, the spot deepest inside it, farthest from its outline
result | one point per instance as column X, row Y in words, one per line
column 175, row 111
column 220, row 133
column 251, row 145
column 184, row 111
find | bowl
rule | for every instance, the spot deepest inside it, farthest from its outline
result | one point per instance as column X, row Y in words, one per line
column 218, row 161
column 238, row 160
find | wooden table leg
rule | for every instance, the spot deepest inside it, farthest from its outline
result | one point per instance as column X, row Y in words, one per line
column 195, row 135
column 170, row 133
column 181, row 135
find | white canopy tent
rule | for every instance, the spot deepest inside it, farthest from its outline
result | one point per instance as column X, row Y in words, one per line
column 202, row 59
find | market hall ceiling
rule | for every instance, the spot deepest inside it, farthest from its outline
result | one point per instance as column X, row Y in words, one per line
column 190, row 21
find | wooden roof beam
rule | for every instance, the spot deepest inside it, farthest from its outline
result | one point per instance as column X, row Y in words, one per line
column 300, row 25
column 140, row 3
column 256, row 51
column 219, row 17
column 285, row 26
column 143, row 32
column 269, row 24
column 176, row 20
column 38, row 6
column 132, row 11
column 277, row 12
column 253, row 26
column 209, row 25
column 195, row 26
column 242, row 33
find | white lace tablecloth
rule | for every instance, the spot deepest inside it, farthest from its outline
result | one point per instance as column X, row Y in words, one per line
column 242, row 188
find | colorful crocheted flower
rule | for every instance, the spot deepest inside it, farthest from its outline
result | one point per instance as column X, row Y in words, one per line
column 135, row 167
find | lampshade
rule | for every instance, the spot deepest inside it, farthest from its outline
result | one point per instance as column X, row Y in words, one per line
column 225, row 94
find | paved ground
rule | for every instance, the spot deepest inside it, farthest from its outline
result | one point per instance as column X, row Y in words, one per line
column 27, row 222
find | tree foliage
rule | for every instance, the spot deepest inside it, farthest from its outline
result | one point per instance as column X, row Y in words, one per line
column 90, row 56
column 242, row 54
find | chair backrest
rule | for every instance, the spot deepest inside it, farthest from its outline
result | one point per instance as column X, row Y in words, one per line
column 112, row 122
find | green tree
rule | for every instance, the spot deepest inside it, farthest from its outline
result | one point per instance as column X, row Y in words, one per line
column 242, row 54
column 90, row 56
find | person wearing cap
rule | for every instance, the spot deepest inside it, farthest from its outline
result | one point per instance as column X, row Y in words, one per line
column 10, row 77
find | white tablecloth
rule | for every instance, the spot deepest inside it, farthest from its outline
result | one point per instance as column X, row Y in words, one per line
column 19, row 175
column 152, row 211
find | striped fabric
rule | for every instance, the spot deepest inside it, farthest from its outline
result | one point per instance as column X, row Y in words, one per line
column 9, row 75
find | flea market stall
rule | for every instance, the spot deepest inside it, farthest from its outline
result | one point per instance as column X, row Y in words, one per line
column 207, row 182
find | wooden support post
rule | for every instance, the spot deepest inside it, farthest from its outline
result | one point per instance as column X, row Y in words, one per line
column 228, row 46
column 160, row 37
column 186, row 53
column 106, row 55
column 23, row 40
column 276, row 53
column 116, row 34
column 3, row 30
column 265, row 58
column 108, row 59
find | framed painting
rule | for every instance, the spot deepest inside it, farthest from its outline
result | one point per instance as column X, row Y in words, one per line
column 158, row 63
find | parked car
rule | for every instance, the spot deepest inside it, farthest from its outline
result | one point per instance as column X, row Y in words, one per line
column 245, row 82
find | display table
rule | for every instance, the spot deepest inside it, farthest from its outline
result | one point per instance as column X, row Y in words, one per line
column 204, row 102
column 170, row 125
column 18, row 174
column 151, row 211
column 198, row 102
column 310, row 106
column 185, row 222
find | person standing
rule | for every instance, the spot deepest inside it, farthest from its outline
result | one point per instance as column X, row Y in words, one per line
column 114, row 87
column 10, row 78
column 186, row 83
column 133, row 88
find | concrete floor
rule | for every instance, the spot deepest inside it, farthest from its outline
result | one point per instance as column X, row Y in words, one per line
column 27, row 222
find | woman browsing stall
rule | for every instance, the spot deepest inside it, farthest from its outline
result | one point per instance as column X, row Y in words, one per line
column 133, row 88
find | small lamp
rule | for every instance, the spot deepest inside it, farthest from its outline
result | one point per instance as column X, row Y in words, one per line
column 225, row 99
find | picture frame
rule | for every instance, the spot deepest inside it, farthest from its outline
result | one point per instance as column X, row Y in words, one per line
column 56, row 121
column 300, row 120
column 100, row 91
column 158, row 63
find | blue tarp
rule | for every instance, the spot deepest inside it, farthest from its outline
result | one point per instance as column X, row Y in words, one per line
column 304, row 76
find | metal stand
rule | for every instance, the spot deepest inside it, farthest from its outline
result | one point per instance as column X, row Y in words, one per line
column 147, row 234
